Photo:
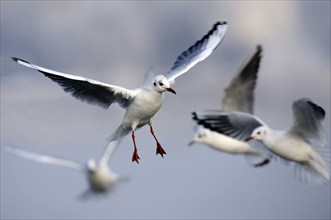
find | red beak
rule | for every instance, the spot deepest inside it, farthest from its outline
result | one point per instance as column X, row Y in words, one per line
column 171, row 90
column 249, row 138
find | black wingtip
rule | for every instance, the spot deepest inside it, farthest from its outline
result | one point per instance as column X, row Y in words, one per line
column 259, row 48
column 15, row 59
column 18, row 59
column 317, row 108
column 194, row 116
column 219, row 23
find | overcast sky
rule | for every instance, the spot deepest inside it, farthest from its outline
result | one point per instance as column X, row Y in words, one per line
column 116, row 42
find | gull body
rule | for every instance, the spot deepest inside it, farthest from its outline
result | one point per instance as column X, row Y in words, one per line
column 222, row 142
column 100, row 177
column 310, row 166
column 303, row 143
column 143, row 103
column 239, row 96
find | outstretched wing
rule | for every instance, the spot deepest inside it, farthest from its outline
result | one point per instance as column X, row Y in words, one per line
column 43, row 158
column 84, row 89
column 239, row 95
column 308, row 118
column 198, row 52
column 108, row 151
column 237, row 125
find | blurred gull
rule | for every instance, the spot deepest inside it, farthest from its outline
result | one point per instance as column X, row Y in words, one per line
column 141, row 104
column 100, row 177
column 303, row 143
column 239, row 96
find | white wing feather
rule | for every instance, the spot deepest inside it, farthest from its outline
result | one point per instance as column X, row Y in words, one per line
column 84, row 89
column 43, row 158
column 198, row 52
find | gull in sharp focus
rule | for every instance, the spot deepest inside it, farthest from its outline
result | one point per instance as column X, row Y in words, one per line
column 303, row 143
column 239, row 96
column 141, row 104
column 100, row 177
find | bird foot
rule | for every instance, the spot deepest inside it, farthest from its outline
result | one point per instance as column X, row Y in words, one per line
column 160, row 150
column 135, row 156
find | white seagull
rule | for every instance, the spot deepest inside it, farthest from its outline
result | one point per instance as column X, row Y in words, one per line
column 141, row 104
column 239, row 96
column 100, row 177
column 303, row 143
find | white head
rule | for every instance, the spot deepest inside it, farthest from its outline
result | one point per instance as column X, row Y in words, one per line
column 91, row 165
column 259, row 134
column 161, row 84
column 201, row 135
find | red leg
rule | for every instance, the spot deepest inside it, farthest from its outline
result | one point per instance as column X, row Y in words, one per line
column 159, row 149
column 135, row 156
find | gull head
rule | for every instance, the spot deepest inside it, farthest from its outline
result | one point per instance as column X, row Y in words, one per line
column 91, row 165
column 201, row 136
column 161, row 84
column 259, row 134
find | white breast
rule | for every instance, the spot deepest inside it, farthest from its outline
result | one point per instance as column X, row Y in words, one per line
column 227, row 144
column 101, row 179
column 143, row 108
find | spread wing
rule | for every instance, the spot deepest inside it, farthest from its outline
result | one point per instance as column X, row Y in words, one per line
column 43, row 158
column 108, row 151
column 198, row 52
column 84, row 89
column 239, row 95
column 308, row 118
column 237, row 125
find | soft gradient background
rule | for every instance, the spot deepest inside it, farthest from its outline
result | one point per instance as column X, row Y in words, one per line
column 116, row 42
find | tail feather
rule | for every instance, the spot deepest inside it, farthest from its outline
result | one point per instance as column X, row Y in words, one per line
column 120, row 132
column 316, row 171
column 308, row 175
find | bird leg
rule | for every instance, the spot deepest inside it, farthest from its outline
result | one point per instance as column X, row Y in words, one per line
column 159, row 149
column 135, row 156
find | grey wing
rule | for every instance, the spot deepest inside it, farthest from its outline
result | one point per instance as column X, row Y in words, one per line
column 239, row 95
column 308, row 118
column 198, row 52
column 84, row 89
column 237, row 125
column 43, row 158
column 109, row 151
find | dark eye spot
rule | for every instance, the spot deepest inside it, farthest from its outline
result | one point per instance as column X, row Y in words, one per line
column 258, row 132
column 201, row 135
column 160, row 83
column 154, row 84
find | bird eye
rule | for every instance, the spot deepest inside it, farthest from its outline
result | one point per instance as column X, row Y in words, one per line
column 201, row 135
column 160, row 83
column 258, row 132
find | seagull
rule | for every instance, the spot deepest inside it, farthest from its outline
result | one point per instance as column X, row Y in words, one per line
column 143, row 103
column 303, row 143
column 100, row 177
column 239, row 96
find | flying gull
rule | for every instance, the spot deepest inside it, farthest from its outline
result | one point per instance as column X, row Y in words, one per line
column 143, row 103
column 303, row 143
column 239, row 96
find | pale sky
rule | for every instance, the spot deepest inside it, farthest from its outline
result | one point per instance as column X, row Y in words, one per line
column 116, row 42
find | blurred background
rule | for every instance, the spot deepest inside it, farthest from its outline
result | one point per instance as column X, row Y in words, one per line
column 116, row 42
